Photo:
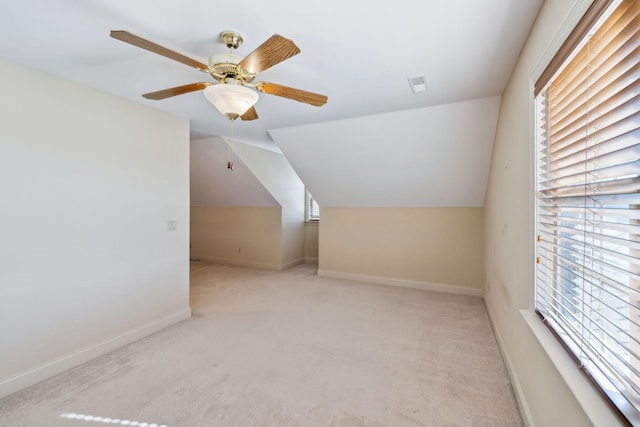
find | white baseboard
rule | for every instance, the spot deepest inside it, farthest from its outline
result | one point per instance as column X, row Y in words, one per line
column 25, row 379
column 311, row 260
column 413, row 284
column 239, row 262
column 293, row 263
column 525, row 412
column 249, row 263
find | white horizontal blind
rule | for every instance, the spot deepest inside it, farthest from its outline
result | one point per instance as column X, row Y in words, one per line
column 588, row 213
column 313, row 210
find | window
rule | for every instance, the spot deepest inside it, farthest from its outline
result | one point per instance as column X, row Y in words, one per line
column 587, row 286
column 312, row 209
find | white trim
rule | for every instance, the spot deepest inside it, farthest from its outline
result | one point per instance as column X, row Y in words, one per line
column 293, row 263
column 521, row 398
column 577, row 12
column 40, row 373
column 413, row 284
column 311, row 260
column 249, row 263
column 239, row 262
column 585, row 393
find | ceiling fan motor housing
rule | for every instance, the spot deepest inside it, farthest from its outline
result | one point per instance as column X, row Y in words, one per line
column 225, row 66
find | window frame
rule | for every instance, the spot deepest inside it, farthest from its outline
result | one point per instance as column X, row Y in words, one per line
column 593, row 15
column 309, row 202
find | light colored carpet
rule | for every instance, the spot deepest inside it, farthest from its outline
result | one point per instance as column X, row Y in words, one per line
column 267, row 348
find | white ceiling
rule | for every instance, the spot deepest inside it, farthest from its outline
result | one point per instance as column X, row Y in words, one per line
column 359, row 54
column 428, row 157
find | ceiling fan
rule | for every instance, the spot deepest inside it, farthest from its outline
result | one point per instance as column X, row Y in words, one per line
column 232, row 96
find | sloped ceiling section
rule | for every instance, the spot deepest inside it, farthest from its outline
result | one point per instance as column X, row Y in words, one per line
column 427, row 157
column 274, row 172
column 212, row 184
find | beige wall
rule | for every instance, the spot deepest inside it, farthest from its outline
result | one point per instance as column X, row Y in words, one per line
column 293, row 234
column 276, row 175
column 311, row 247
column 88, row 185
column 428, row 246
column 249, row 236
column 546, row 399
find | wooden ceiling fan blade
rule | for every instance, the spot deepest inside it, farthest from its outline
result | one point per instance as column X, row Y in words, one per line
column 174, row 91
column 275, row 50
column 250, row 114
column 127, row 37
column 292, row 93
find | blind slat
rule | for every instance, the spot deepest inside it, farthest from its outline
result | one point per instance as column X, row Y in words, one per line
column 599, row 256
column 604, row 227
column 615, row 120
column 627, row 141
column 614, row 290
column 614, row 94
column 566, row 303
column 610, row 200
column 591, row 175
column 605, row 139
column 613, row 34
column 604, row 63
column 611, row 213
column 616, row 187
column 609, row 280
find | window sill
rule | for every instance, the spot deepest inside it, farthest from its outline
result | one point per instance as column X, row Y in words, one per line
column 312, row 221
column 585, row 393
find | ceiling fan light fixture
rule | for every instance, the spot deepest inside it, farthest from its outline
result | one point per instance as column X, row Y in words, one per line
column 230, row 99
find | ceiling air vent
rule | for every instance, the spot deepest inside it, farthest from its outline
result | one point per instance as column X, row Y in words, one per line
column 418, row 84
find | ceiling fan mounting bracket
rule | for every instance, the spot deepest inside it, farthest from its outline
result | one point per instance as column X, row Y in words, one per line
column 231, row 39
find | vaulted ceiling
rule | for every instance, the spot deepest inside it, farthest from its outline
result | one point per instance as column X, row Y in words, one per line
column 374, row 143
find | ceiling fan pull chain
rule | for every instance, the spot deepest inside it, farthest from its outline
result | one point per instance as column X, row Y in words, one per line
column 229, row 152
